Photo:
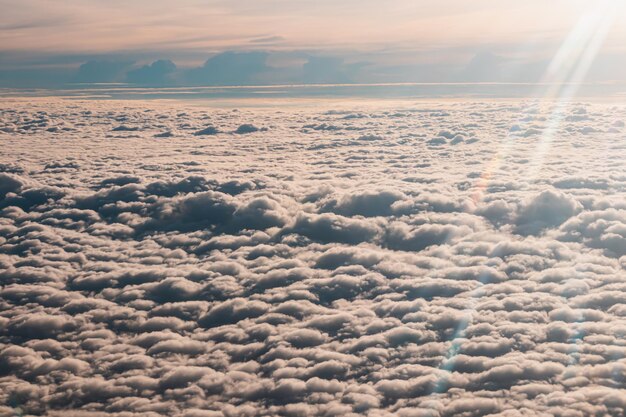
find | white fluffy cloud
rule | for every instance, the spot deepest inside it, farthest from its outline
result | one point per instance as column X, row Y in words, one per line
column 328, row 264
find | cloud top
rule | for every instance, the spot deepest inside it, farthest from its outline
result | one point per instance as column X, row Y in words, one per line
column 329, row 261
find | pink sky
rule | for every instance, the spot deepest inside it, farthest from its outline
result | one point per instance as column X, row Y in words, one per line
column 96, row 26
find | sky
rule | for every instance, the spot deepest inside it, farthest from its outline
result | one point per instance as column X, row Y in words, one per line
column 301, row 253
column 215, row 42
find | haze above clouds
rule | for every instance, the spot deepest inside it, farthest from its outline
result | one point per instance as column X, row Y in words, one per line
column 155, row 43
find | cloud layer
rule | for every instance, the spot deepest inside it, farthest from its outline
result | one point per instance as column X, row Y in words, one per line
column 431, row 259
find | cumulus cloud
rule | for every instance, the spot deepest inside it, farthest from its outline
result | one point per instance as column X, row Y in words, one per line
column 157, row 73
column 372, row 260
column 547, row 209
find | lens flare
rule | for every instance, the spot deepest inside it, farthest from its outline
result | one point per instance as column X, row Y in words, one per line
column 564, row 76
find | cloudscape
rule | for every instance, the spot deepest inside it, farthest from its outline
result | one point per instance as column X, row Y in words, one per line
column 298, row 208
